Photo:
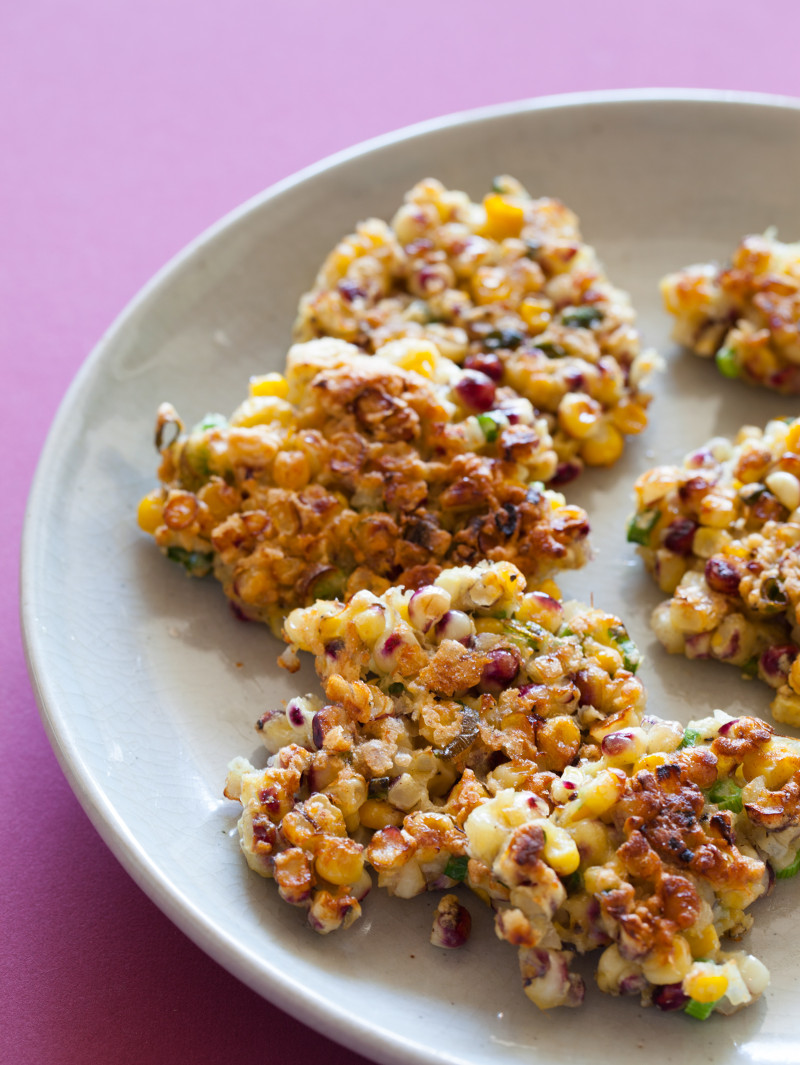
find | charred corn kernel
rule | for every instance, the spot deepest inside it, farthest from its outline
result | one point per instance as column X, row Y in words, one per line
column 376, row 813
column 339, row 860
column 535, row 314
column 560, row 850
column 269, row 384
column 150, row 513
column 650, row 763
column 629, row 418
column 504, row 218
column 578, row 415
column 705, row 983
column 263, row 410
column 603, row 447
column 704, row 943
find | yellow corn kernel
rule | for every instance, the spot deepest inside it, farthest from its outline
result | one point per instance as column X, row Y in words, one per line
column 650, row 763
column 578, row 415
column 339, row 860
column 668, row 966
column 599, row 878
column 704, row 943
column 718, row 511
column 491, row 285
column 409, row 353
column 608, row 658
column 793, row 437
column 794, row 675
column 504, row 218
column 592, row 840
column 550, row 588
column 376, row 813
column 269, row 384
column 603, row 447
column 489, row 625
column 630, row 418
column 150, row 513
column 370, row 624
column 560, row 850
column 263, row 410
column 704, row 984
column 535, row 314
column 785, row 708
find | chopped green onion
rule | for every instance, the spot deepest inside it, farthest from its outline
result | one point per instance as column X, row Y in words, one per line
column 750, row 668
column 527, row 631
column 197, row 563
column 726, row 795
column 690, row 738
column 456, row 867
column 492, row 424
column 574, row 882
column 397, row 688
column 631, row 657
column 701, row 1010
column 565, row 630
column 210, row 421
column 503, row 339
column 641, row 525
column 583, row 317
column 727, row 362
column 551, row 349
column 790, row 870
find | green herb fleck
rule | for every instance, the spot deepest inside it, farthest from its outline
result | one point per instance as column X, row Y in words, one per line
column 641, row 525
column 509, row 339
column 196, row 563
column 631, row 657
column 583, row 317
column 726, row 795
column 378, row 788
column 397, row 688
column 492, row 424
column 210, row 421
column 690, row 738
column 574, row 883
column 727, row 362
column 456, row 867
column 750, row 668
column 551, row 349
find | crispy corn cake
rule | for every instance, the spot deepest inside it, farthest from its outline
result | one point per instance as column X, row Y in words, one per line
column 745, row 314
column 354, row 472
column 475, row 733
column 721, row 536
column 506, row 288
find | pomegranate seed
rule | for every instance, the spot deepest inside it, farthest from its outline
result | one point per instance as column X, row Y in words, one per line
column 476, row 390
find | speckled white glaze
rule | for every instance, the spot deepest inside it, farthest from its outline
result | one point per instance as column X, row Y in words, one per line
column 147, row 684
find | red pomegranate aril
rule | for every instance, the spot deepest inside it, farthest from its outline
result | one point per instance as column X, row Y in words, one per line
column 476, row 390
column 680, row 536
column 722, row 577
column 485, row 362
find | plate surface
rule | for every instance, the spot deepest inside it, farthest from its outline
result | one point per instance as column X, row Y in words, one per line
column 148, row 685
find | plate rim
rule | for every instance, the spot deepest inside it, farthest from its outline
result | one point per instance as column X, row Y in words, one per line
column 301, row 1002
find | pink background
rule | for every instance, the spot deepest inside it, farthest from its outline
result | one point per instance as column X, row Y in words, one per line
column 126, row 129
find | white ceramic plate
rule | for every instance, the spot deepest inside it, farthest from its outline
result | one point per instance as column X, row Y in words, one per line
column 147, row 684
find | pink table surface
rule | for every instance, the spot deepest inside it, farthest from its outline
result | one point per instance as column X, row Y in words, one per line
column 126, row 129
